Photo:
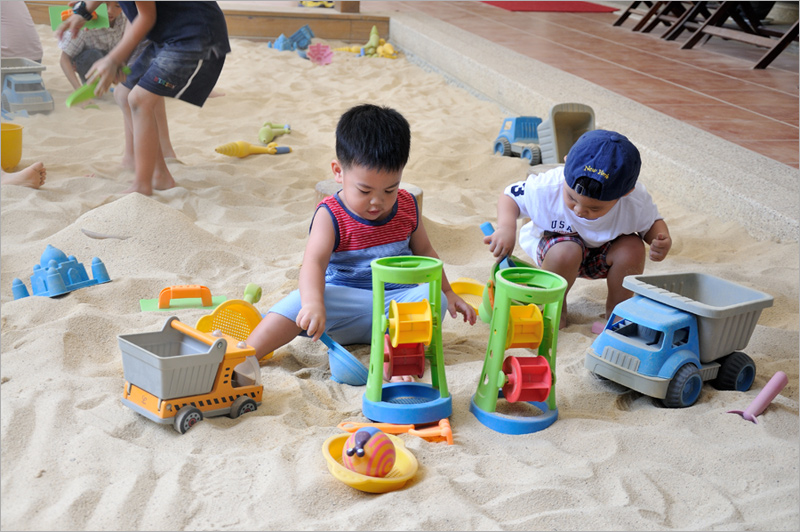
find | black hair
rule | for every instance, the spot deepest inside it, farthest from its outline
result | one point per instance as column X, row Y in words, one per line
column 586, row 186
column 375, row 137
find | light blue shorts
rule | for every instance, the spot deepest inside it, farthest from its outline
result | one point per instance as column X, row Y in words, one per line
column 349, row 310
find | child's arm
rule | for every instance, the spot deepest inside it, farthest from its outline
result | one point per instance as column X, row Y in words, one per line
column 502, row 241
column 69, row 70
column 108, row 70
column 659, row 240
column 312, row 274
column 421, row 245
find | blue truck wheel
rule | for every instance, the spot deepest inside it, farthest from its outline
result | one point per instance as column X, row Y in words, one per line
column 737, row 372
column 685, row 387
column 502, row 146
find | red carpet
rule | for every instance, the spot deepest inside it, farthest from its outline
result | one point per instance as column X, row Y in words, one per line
column 568, row 7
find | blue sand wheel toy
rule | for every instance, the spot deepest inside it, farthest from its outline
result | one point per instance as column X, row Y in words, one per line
column 518, row 322
column 411, row 326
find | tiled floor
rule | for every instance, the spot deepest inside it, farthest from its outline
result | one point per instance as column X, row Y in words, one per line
column 712, row 87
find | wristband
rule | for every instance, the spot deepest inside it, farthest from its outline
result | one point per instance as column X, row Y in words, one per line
column 80, row 10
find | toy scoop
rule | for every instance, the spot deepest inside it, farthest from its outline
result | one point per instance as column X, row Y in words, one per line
column 87, row 91
column 764, row 397
column 487, row 229
column 269, row 131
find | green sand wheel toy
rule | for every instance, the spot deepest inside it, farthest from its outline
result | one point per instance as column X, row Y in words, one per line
column 518, row 322
column 411, row 327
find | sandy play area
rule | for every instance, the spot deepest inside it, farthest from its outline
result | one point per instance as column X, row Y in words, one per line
column 75, row 458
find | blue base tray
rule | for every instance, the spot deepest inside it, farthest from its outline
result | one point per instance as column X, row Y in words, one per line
column 408, row 403
column 515, row 425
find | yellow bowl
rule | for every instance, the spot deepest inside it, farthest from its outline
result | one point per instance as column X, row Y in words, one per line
column 11, row 145
column 405, row 467
column 470, row 291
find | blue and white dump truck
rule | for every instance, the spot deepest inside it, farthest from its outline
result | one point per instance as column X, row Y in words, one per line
column 677, row 331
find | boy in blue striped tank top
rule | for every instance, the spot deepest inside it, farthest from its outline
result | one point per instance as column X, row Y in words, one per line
column 370, row 217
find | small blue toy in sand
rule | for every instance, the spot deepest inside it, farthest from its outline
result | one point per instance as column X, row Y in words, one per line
column 57, row 274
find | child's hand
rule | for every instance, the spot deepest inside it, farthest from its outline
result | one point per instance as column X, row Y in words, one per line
column 106, row 71
column 311, row 319
column 72, row 26
column 501, row 242
column 456, row 305
column 660, row 246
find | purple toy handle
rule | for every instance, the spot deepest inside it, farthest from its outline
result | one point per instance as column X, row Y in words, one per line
column 764, row 397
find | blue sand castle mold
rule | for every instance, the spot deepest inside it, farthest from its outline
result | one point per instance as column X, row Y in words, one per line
column 57, row 274
column 281, row 43
column 301, row 39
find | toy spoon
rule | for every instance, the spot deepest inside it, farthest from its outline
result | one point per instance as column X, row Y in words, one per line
column 764, row 397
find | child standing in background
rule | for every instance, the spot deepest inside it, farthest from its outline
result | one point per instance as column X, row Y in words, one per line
column 588, row 218
column 371, row 217
column 189, row 42
column 79, row 53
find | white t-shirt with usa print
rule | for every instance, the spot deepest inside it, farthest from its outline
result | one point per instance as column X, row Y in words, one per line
column 540, row 198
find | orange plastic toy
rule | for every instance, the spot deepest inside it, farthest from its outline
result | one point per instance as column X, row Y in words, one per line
column 439, row 432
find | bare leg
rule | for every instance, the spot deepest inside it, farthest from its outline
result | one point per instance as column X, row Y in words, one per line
column 564, row 258
column 272, row 332
column 151, row 170
column 121, row 97
column 33, row 176
column 163, row 130
column 625, row 257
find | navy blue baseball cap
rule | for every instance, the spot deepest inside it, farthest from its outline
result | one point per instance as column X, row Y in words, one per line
column 607, row 157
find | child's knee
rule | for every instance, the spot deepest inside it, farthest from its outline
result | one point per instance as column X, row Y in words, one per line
column 563, row 256
column 627, row 251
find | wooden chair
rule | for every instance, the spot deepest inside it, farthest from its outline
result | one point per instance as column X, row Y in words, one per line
column 679, row 16
column 646, row 14
column 747, row 28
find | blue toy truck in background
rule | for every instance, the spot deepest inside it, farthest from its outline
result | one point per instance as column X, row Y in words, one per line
column 519, row 137
column 677, row 331
column 23, row 87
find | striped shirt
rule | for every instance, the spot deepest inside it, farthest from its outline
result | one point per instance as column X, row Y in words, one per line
column 359, row 241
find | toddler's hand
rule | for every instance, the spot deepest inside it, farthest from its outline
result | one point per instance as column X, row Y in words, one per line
column 501, row 242
column 311, row 319
column 456, row 305
column 659, row 247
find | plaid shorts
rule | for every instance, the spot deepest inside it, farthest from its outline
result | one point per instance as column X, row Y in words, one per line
column 594, row 264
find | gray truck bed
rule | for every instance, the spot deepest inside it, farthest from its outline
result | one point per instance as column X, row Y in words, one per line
column 726, row 312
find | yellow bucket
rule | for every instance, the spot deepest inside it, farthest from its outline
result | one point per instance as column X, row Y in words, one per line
column 11, row 146
column 410, row 323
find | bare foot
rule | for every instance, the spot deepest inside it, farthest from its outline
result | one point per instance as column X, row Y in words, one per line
column 402, row 378
column 33, row 176
column 216, row 94
column 163, row 181
column 145, row 190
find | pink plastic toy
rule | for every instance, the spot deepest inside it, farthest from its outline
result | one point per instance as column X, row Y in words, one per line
column 764, row 397
column 320, row 54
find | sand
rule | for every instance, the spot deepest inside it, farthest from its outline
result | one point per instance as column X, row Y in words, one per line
column 75, row 458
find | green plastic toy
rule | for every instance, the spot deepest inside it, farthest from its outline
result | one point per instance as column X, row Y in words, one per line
column 518, row 322
column 410, row 327
column 100, row 22
column 269, row 131
column 86, row 92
